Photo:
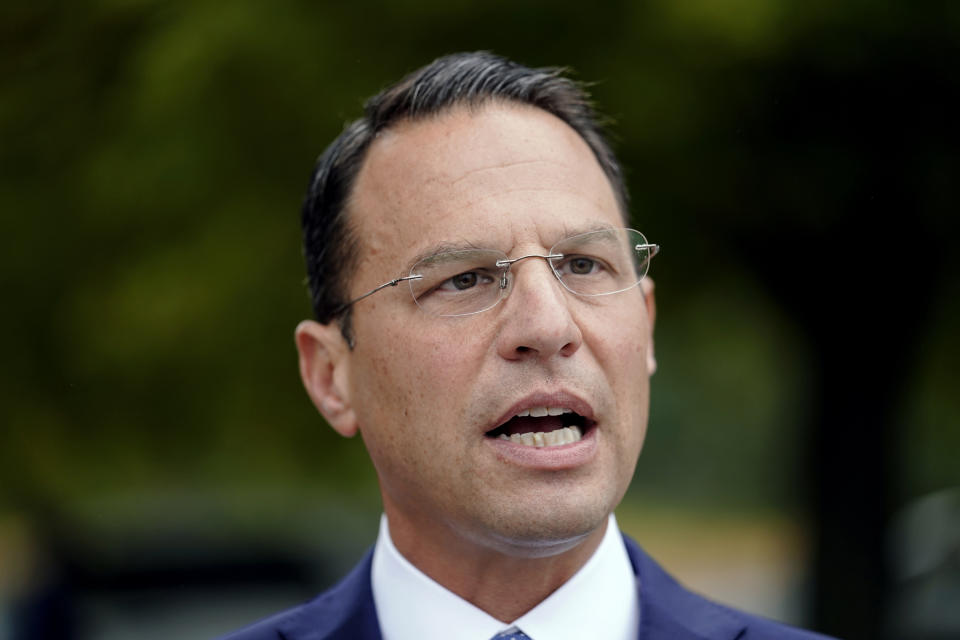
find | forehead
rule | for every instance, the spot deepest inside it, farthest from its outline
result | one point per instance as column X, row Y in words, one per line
column 497, row 175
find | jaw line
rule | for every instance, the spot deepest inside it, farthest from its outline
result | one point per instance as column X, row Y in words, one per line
column 526, row 548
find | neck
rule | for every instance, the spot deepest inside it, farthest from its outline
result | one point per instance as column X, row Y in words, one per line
column 506, row 582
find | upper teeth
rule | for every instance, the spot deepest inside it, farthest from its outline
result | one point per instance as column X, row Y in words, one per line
column 540, row 412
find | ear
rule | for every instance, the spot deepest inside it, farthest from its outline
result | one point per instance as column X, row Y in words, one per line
column 324, row 369
column 647, row 285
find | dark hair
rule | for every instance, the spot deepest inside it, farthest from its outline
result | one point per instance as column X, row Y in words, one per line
column 469, row 79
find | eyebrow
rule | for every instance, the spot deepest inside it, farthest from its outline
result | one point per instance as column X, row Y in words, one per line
column 569, row 232
column 442, row 247
column 446, row 247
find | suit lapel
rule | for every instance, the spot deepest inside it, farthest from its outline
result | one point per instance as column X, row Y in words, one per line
column 670, row 612
column 345, row 612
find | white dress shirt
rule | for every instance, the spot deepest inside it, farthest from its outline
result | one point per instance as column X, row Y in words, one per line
column 599, row 601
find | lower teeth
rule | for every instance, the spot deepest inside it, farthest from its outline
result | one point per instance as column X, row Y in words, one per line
column 548, row 439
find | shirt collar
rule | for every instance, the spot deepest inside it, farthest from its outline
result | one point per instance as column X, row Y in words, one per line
column 599, row 601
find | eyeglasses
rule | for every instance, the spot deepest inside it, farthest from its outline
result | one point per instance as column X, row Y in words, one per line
column 464, row 282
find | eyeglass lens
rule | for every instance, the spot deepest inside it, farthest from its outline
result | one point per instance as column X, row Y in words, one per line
column 597, row 263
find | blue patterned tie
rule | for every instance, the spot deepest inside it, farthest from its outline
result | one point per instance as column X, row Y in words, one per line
column 511, row 634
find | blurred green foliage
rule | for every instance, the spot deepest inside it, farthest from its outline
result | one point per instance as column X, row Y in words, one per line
column 154, row 155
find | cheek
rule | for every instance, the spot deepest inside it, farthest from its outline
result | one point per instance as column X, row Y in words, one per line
column 622, row 339
column 414, row 377
column 621, row 344
column 411, row 390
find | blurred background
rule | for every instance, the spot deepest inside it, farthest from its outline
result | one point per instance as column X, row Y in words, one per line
column 162, row 473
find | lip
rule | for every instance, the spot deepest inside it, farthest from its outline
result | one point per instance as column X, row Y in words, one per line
column 555, row 458
column 560, row 398
column 566, row 456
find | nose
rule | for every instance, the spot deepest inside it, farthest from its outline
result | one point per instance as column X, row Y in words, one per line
column 535, row 322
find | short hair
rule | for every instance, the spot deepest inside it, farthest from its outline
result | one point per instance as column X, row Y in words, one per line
column 462, row 79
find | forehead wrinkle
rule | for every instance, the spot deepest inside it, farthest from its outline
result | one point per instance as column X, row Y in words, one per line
column 459, row 195
column 505, row 165
column 489, row 196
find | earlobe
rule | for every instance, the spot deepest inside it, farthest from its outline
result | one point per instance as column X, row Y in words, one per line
column 324, row 364
column 647, row 285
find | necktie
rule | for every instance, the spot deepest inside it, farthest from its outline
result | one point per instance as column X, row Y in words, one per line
column 511, row 634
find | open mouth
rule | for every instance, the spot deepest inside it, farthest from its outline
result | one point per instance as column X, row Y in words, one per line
column 544, row 427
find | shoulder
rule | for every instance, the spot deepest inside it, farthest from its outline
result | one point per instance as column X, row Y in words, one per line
column 266, row 629
column 344, row 611
column 761, row 628
column 757, row 627
column 668, row 609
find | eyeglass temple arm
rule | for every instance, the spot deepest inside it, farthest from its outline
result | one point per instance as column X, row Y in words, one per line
column 391, row 283
column 654, row 249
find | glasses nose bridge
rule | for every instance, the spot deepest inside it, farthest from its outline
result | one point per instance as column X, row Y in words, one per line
column 506, row 263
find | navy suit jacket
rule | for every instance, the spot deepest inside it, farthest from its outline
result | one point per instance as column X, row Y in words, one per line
column 667, row 612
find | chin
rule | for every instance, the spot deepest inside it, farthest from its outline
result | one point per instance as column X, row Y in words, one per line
column 545, row 528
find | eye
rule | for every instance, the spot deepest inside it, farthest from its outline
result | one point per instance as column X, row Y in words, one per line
column 464, row 281
column 581, row 266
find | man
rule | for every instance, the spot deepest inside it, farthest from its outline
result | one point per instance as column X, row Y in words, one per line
column 484, row 323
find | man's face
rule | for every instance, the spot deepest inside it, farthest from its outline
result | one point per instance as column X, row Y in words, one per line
column 427, row 391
